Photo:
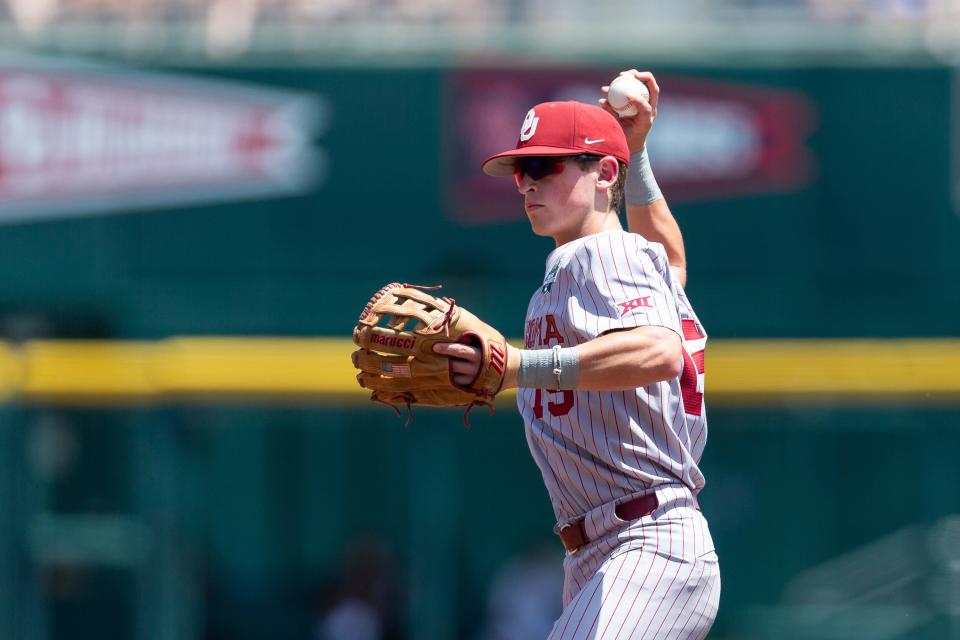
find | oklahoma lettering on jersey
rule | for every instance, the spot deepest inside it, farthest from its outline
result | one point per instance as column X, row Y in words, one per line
column 594, row 448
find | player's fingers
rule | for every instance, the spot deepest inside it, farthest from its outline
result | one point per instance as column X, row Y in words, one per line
column 654, row 94
column 464, row 366
column 647, row 78
column 643, row 109
column 457, row 350
column 443, row 348
column 643, row 106
column 606, row 107
column 642, row 76
column 463, row 380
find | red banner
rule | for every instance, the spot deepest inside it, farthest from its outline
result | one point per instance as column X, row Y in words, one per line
column 711, row 139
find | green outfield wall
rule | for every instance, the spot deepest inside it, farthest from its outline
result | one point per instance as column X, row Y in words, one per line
column 858, row 241
column 816, row 203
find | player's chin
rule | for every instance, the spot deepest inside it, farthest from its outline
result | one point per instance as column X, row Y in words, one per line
column 537, row 220
column 539, row 229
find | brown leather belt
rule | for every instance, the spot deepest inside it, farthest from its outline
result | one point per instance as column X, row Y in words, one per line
column 574, row 535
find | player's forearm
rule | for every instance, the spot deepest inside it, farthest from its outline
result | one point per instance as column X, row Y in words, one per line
column 629, row 359
column 648, row 213
column 615, row 361
column 656, row 223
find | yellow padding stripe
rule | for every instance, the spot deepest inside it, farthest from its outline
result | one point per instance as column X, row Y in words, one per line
column 10, row 372
column 230, row 366
column 833, row 366
column 319, row 369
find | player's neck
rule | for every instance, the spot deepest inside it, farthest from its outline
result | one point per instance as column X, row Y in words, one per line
column 592, row 223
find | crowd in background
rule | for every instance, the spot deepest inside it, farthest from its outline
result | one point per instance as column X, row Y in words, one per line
column 229, row 25
column 47, row 11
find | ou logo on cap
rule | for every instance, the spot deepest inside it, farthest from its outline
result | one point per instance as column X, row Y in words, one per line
column 529, row 126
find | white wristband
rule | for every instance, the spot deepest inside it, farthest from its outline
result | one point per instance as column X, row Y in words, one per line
column 641, row 187
column 555, row 368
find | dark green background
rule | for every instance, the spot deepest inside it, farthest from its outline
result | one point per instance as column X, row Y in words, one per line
column 266, row 501
column 867, row 249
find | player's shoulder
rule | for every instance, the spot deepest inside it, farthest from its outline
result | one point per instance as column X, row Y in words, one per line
column 617, row 248
column 653, row 251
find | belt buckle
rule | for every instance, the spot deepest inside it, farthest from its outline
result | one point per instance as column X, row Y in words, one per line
column 575, row 550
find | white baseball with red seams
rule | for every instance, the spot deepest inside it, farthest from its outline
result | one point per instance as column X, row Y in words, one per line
column 658, row 576
column 621, row 89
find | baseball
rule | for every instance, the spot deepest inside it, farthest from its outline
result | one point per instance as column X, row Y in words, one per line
column 620, row 89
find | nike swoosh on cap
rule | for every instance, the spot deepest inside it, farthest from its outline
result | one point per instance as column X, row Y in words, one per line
column 589, row 141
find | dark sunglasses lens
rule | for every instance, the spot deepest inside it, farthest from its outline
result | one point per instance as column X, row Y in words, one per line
column 538, row 168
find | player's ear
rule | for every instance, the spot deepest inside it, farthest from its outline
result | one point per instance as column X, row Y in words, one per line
column 609, row 171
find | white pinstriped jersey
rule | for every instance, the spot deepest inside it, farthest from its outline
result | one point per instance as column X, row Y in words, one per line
column 594, row 448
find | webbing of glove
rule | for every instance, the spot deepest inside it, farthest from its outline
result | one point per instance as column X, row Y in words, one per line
column 396, row 333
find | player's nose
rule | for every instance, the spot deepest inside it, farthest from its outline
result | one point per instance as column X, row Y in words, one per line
column 526, row 184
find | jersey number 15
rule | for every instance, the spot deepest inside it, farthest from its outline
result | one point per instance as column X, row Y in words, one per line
column 556, row 409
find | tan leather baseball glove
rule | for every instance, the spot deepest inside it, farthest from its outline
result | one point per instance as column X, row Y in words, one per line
column 396, row 333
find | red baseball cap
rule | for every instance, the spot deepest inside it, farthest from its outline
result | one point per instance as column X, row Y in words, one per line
column 563, row 129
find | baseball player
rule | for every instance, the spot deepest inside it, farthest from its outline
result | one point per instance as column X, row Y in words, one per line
column 611, row 376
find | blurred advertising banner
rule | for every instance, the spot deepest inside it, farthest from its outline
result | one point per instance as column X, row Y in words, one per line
column 78, row 139
column 711, row 140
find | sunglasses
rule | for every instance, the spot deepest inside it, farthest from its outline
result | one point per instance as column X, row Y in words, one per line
column 539, row 167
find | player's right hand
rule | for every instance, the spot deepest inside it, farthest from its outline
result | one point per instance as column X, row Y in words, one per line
column 637, row 128
column 465, row 360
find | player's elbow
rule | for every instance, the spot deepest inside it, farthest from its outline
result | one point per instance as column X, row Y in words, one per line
column 675, row 368
column 669, row 362
column 662, row 355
